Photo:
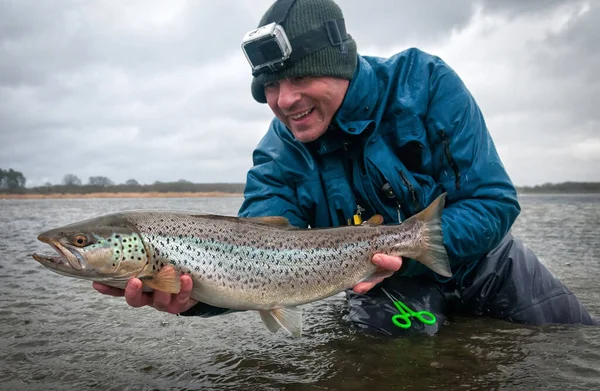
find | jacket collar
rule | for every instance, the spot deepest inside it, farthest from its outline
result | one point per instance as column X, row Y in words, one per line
column 356, row 112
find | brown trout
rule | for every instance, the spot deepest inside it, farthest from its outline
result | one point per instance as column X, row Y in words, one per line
column 261, row 264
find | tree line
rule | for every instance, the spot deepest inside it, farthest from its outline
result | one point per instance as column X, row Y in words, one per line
column 72, row 184
column 12, row 181
column 564, row 187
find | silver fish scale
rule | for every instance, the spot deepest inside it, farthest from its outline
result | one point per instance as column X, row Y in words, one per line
column 239, row 264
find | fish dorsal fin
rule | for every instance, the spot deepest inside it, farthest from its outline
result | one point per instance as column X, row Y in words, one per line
column 290, row 319
column 375, row 220
column 166, row 280
column 271, row 220
column 276, row 221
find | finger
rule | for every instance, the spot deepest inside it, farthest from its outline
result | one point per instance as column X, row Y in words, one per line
column 108, row 290
column 388, row 262
column 162, row 300
column 185, row 291
column 133, row 294
column 364, row 287
column 182, row 301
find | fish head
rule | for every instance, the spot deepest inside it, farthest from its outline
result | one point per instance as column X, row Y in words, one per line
column 104, row 249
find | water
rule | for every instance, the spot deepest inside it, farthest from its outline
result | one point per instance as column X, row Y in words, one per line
column 57, row 333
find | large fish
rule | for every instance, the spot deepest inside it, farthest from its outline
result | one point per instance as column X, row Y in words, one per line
column 261, row 264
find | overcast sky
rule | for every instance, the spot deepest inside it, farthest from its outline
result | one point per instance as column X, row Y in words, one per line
column 160, row 90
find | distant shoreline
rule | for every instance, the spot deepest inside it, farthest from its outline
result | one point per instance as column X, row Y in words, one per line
column 151, row 194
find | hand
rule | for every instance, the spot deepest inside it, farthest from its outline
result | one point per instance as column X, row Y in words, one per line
column 171, row 303
column 386, row 262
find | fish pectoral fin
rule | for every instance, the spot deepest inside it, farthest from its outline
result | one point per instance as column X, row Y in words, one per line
column 166, row 280
column 269, row 321
column 290, row 319
column 377, row 274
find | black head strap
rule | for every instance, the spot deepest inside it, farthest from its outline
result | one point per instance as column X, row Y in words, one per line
column 332, row 33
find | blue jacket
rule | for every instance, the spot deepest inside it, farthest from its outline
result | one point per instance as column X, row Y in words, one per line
column 407, row 121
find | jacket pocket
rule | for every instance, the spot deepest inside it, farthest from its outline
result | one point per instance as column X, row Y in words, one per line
column 450, row 158
column 415, row 205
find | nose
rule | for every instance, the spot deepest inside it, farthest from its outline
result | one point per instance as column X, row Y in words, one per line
column 289, row 95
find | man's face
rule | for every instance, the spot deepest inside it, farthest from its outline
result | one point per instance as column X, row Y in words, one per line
column 306, row 105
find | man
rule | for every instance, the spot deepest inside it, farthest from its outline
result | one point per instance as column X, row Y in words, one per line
column 356, row 135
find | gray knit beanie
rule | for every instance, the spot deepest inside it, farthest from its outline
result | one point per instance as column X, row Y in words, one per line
column 305, row 15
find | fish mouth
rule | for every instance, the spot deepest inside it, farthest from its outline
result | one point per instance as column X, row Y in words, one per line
column 64, row 258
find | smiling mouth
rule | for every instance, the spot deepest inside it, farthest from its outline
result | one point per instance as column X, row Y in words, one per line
column 299, row 116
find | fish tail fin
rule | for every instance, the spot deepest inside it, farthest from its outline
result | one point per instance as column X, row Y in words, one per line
column 434, row 255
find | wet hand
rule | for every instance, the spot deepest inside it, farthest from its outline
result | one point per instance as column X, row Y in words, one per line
column 171, row 303
column 385, row 262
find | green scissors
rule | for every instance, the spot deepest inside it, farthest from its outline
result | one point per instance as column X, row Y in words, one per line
column 402, row 319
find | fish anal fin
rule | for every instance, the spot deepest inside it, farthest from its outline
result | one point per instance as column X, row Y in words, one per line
column 289, row 318
column 269, row 321
column 166, row 280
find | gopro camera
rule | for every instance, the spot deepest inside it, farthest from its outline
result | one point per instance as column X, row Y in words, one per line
column 266, row 48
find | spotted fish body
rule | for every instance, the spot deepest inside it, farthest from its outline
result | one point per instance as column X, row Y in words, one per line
column 250, row 264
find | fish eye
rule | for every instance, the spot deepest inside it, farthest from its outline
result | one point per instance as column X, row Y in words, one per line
column 80, row 240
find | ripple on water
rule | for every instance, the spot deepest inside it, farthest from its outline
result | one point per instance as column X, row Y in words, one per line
column 58, row 333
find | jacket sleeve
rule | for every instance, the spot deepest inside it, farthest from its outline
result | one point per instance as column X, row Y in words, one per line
column 268, row 192
column 482, row 202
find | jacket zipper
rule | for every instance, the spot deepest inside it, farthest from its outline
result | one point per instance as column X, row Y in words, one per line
column 449, row 157
column 413, row 193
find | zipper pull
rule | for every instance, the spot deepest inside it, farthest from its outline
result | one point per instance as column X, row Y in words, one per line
column 389, row 193
column 357, row 218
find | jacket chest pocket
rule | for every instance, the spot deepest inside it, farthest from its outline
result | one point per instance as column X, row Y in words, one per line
column 401, row 188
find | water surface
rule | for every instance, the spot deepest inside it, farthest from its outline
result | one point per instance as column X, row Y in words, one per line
column 57, row 333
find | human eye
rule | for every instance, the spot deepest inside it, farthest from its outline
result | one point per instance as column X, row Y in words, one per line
column 271, row 85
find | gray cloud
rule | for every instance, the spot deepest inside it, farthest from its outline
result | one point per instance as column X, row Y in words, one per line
column 160, row 91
